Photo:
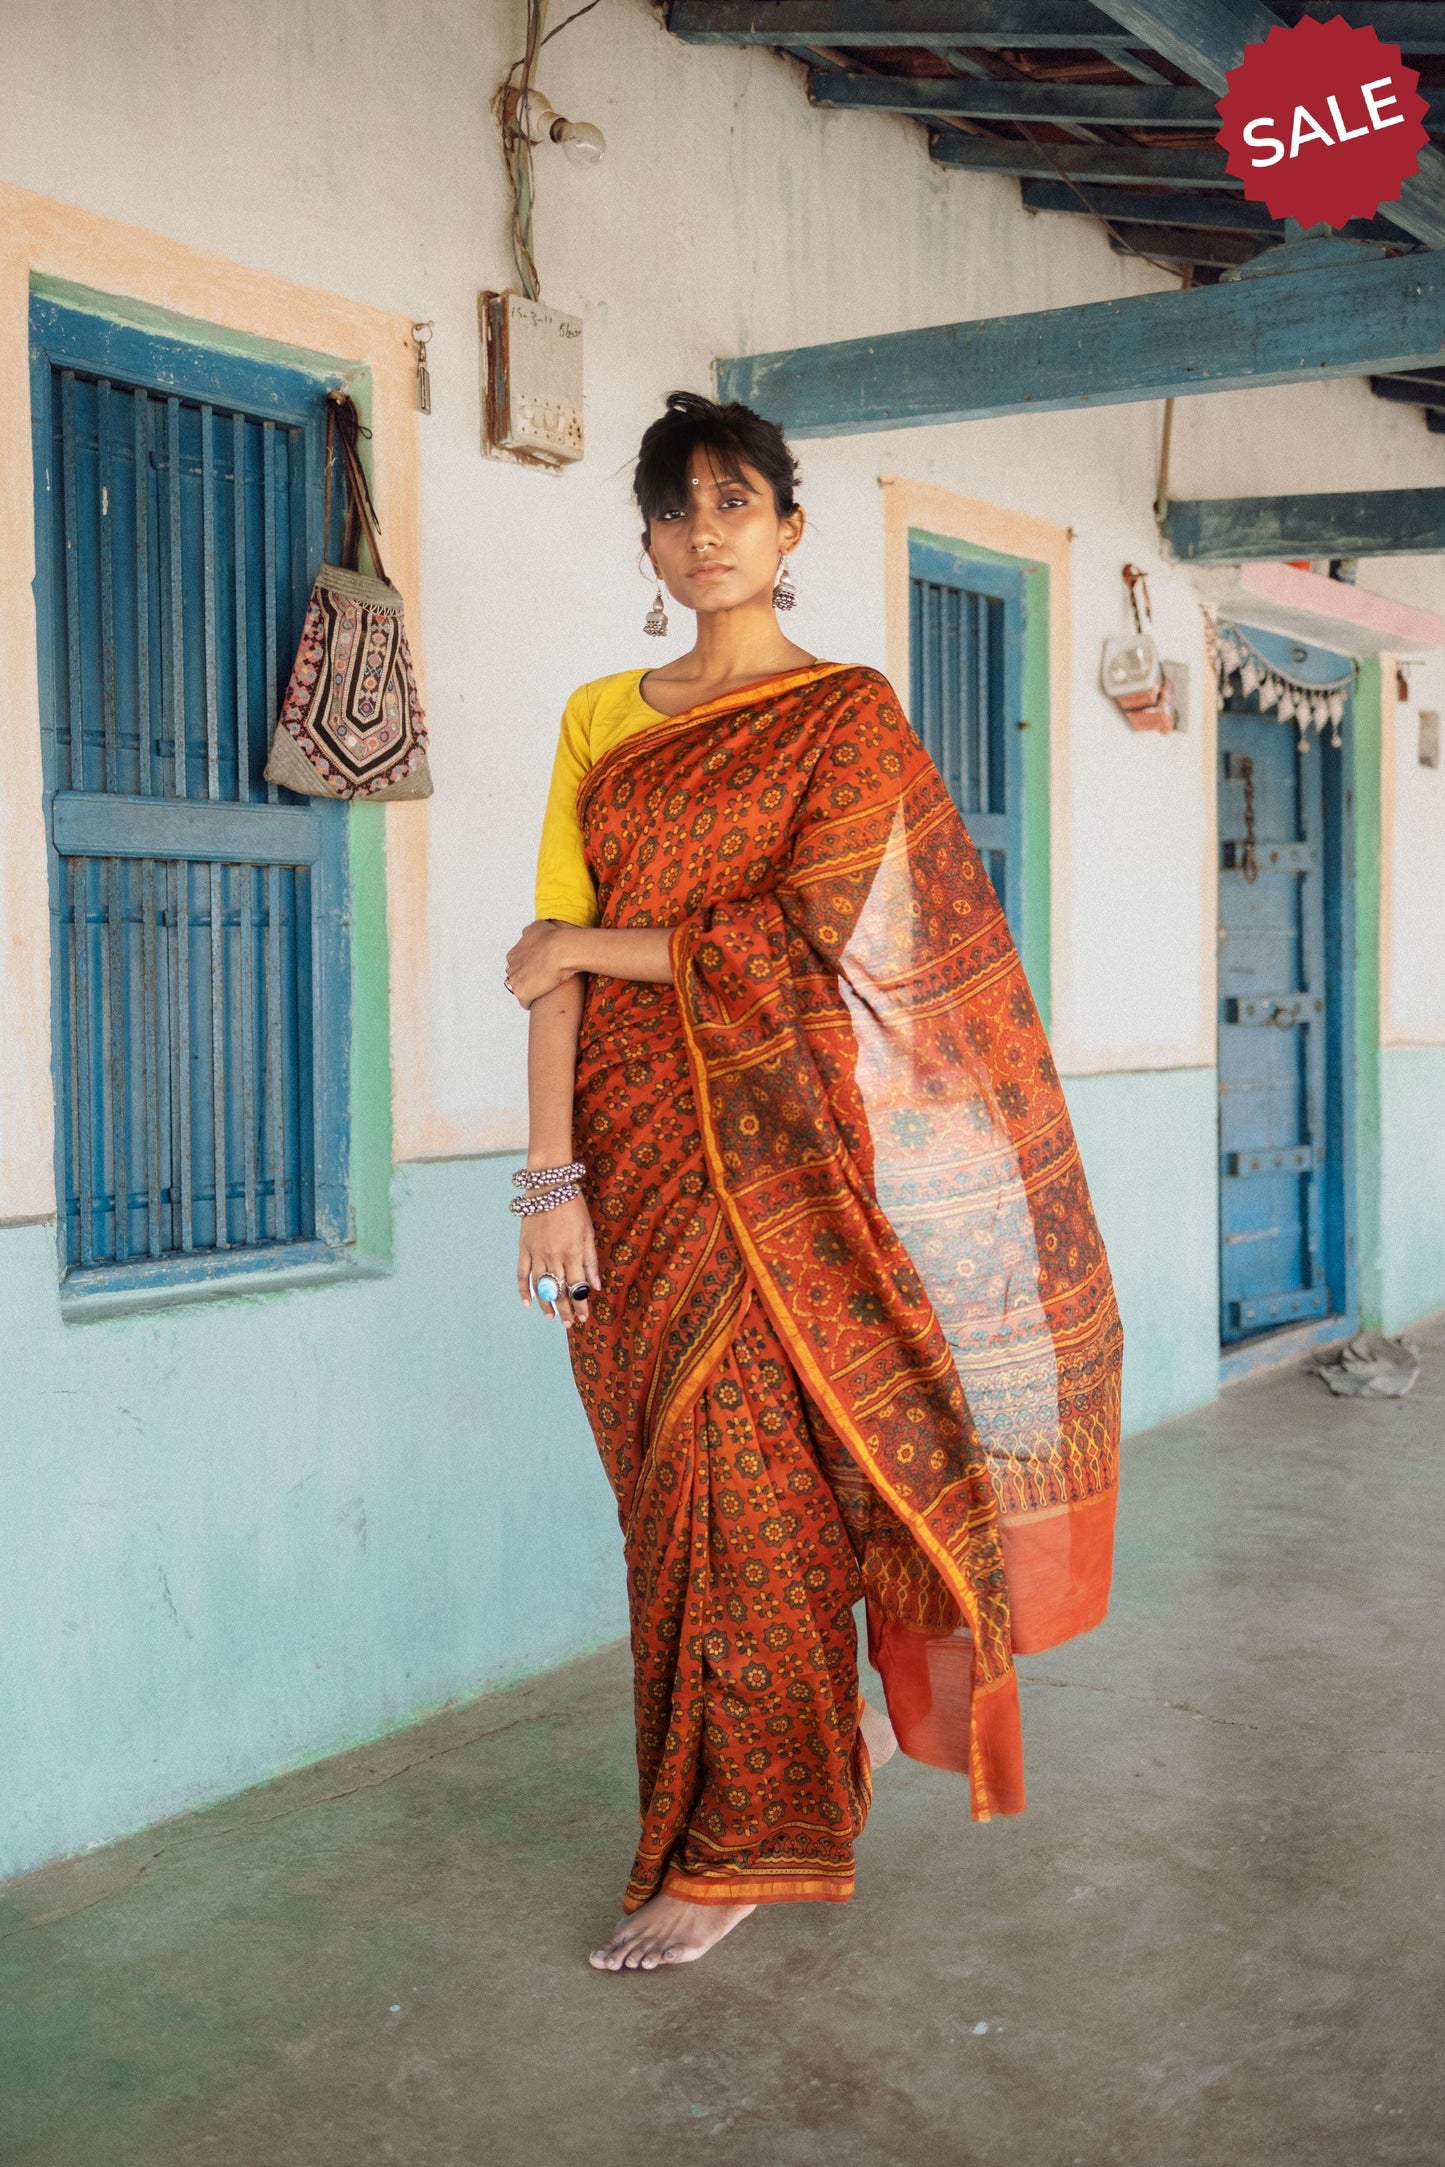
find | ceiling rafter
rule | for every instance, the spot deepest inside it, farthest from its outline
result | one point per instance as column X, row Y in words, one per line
column 1102, row 108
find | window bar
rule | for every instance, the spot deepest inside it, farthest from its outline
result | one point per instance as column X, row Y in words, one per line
column 80, row 1053
column 79, row 879
column 955, row 648
column 305, row 963
column 999, row 719
column 977, row 667
column 75, row 688
column 178, row 643
column 208, row 598
column 915, row 659
column 219, row 1154
column 143, row 591
column 150, row 1055
column 275, row 1105
column 183, row 1201
column 72, row 1049
column 243, row 689
column 112, row 967
column 213, row 790
column 931, row 660
column 272, row 448
column 243, row 879
column 113, row 1003
column 106, row 1068
column 150, row 997
column 269, row 449
column 106, row 525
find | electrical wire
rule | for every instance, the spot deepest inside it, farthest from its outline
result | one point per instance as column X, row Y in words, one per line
column 1125, row 248
column 512, row 106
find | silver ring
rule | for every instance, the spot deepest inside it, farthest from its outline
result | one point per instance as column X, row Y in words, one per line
column 548, row 1288
column 580, row 1292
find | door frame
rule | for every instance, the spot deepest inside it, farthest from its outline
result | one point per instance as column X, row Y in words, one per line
column 1340, row 1202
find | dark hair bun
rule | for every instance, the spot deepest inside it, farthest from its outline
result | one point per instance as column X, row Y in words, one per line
column 733, row 435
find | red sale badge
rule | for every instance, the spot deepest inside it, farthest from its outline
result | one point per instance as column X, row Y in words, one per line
column 1322, row 123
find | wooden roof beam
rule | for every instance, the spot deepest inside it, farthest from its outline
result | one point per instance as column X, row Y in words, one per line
column 1180, row 207
column 931, row 25
column 1357, row 319
column 1206, row 38
column 1344, row 523
column 1417, row 25
column 1182, row 244
column 1106, row 105
column 1098, row 105
column 1202, row 167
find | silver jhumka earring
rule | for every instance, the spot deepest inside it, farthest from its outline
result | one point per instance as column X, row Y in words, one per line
column 654, row 624
column 785, row 594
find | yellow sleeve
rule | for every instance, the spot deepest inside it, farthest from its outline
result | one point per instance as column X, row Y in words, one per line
column 565, row 887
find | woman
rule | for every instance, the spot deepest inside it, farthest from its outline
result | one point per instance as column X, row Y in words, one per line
column 802, row 1186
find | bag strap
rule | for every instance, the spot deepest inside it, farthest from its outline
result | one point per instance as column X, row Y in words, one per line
column 343, row 425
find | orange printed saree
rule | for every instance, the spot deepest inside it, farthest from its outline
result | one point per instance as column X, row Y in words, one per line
column 856, row 1334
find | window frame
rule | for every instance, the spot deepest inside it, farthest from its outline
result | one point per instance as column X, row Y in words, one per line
column 290, row 393
column 939, row 563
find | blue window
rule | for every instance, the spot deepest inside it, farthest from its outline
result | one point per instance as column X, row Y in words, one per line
column 966, row 645
column 200, row 1001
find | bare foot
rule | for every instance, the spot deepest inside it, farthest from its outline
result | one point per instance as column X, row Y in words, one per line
column 667, row 1931
column 879, row 1735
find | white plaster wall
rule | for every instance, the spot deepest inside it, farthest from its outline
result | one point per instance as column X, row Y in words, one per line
column 353, row 149
column 1415, row 839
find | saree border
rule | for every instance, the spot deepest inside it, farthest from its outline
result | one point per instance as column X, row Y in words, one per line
column 817, row 1381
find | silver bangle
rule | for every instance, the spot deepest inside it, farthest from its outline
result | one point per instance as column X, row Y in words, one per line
column 544, row 1200
column 547, row 1177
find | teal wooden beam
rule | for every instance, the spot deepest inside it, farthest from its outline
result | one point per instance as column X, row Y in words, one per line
column 930, row 25
column 1416, row 25
column 1410, row 391
column 1347, row 523
column 1094, row 105
column 1206, row 38
column 1180, row 207
column 1359, row 319
column 1413, row 24
column 1098, row 162
column 935, row 25
column 1178, row 245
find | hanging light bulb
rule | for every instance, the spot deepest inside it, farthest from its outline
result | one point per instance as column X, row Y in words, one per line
column 580, row 141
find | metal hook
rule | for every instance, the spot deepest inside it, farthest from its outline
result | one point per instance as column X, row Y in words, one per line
column 421, row 334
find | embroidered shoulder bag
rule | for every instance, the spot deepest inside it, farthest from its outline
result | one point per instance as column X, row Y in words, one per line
column 351, row 725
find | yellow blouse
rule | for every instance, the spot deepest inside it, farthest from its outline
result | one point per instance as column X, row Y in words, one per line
column 597, row 717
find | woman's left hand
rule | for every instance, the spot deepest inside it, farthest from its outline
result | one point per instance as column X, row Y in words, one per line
column 538, row 963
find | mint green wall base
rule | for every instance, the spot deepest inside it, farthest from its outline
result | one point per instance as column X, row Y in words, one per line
column 1150, row 1150
column 1412, row 1183
column 244, row 1534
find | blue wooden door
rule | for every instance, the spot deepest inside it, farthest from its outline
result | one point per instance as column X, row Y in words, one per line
column 1275, row 1026
column 966, row 649
column 200, row 982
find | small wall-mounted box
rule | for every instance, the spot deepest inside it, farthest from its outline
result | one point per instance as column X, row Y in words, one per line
column 533, row 404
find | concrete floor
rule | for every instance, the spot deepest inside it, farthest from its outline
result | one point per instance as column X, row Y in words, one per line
column 1215, row 1937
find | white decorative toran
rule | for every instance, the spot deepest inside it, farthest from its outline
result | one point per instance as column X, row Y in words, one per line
column 1307, row 706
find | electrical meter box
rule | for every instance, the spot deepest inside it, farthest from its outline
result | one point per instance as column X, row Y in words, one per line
column 534, row 380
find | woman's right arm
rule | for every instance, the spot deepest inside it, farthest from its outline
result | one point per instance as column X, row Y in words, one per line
column 559, row 1241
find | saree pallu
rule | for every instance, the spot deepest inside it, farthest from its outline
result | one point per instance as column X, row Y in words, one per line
column 856, row 1333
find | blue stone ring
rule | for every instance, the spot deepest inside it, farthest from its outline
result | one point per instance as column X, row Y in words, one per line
column 548, row 1288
